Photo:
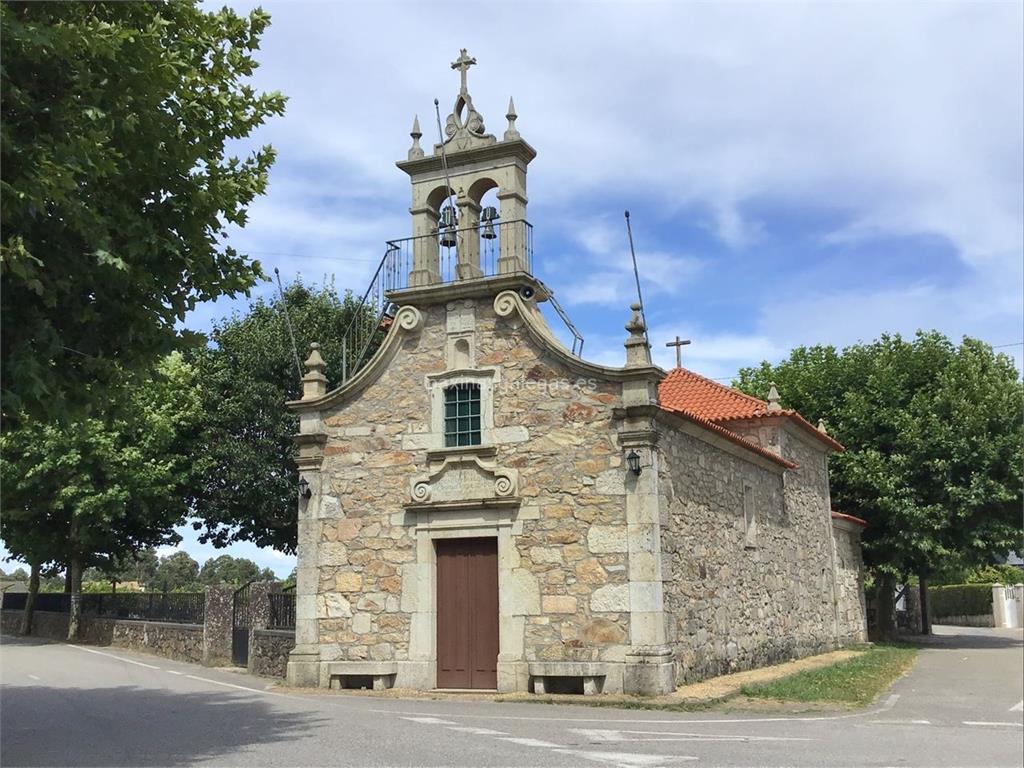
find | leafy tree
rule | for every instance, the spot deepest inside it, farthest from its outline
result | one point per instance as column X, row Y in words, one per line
column 229, row 570
column 177, row 572
column 18, row 574
column 101, row 489
column 246, row 477
column 117, row 187
column 935, row 445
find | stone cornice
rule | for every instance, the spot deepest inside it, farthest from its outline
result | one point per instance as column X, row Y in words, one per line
column 516, row 149
column 750, row 453
column 427, row 295
column 508, row 302
column 407, row 319
column 507, row 502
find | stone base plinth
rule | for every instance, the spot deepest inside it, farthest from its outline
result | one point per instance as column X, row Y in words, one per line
column 303, row 669
column 649, row 675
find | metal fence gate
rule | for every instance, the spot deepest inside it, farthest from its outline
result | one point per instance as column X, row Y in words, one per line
column 241, row 620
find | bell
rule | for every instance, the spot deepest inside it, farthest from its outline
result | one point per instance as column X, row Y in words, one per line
column 489, row 215
column 447, row 238
column 449, row 220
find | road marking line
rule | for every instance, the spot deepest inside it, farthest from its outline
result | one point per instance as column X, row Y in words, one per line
column 429, row 720
column 983, row 722
column 645, row 736
column 889, row 703
column 33, row 677
column 625, row 758
column 113, row 656
column 476, row 731
column 529, row 742
column 172, row 672
column 900, row 722
column 1018, row 707
column 232, row 685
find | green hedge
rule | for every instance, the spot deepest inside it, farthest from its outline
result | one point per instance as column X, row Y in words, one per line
column 960, row 600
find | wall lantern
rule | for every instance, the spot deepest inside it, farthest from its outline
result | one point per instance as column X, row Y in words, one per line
column 633, row 459
column 304, row 489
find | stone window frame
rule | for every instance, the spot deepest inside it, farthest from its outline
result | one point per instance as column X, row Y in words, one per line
column 487, row 379
column 749, row 517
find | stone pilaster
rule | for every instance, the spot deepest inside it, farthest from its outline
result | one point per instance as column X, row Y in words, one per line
column 304, row 660
column 217, row 619
column 514, row 256
column 468, row 265
column 425, row 251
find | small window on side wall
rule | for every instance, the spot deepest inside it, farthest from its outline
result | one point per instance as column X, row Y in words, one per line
column 749, row 517
column 461, row 415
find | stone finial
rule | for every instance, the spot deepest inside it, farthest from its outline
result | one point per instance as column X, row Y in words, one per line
column 821, row 427
column 773, row 399
column 511, row 133
column 638, row 352
column 314, row 383
column 415, row 151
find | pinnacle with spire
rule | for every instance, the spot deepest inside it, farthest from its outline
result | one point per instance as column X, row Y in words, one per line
column 773, row 399
column 638, row 352
column 314, row 383
column 511, row 133
column 415, row 151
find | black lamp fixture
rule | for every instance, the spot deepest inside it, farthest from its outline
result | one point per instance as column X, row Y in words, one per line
column 304, row 490
column 633, row 460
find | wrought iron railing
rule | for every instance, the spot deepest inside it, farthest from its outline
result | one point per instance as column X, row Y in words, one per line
column 181, row 607
column 282, row 610
column 450, row 255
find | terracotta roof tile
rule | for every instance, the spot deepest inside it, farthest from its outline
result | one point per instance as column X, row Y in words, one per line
column 850, row 518
column 687, row 392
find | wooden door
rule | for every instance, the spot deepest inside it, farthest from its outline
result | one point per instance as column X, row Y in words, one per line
column 467, row 613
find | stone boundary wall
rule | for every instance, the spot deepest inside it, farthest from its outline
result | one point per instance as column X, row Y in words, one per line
column 983, row 620
column 175, row 641
column 268, row 651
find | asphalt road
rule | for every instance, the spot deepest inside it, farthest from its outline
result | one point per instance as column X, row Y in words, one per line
column 75, row 705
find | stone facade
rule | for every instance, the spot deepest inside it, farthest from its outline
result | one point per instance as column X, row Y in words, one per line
column 713, row 551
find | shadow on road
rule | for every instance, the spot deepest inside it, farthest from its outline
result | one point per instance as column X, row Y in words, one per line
column 946, row 636
column 130, row 726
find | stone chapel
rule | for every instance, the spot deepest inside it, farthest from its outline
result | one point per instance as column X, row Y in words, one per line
column 482, row 508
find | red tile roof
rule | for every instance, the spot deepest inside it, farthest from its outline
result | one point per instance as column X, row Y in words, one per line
column 850, row 518
column 709, row 402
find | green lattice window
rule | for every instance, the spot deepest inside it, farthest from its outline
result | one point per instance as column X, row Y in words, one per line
column 462, row 415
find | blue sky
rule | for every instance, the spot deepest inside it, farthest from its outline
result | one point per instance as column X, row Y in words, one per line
column 796, row 173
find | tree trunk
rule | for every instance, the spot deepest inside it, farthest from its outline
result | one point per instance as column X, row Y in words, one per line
column 926, row 618
column 30, row 600
column 886, row 617
column 75, row 615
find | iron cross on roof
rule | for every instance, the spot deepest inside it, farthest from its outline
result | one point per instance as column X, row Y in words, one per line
column 463, row 63
column 678, row 344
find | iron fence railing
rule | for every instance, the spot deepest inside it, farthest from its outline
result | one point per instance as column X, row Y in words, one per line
column 183, row 607
column 282, row 611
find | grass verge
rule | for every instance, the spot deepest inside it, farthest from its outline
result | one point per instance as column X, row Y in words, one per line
column 855, row 682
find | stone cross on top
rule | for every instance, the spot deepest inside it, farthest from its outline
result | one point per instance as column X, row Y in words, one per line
column 678, row 344
column 463, row 63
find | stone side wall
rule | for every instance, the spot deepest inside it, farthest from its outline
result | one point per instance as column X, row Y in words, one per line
column 567, row 579
column 175, row 641
column 851, row 609
column 730, row 606
column 44, row 624
column 268, row 651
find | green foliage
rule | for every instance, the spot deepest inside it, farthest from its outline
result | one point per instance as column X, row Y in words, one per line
column 245, row 473
column 960, row 600
column 117, row 187
column 935, row 444
column 996, row 573
column 177, row 573
column 99, row 490
column 857, row 681
column 229, row 570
